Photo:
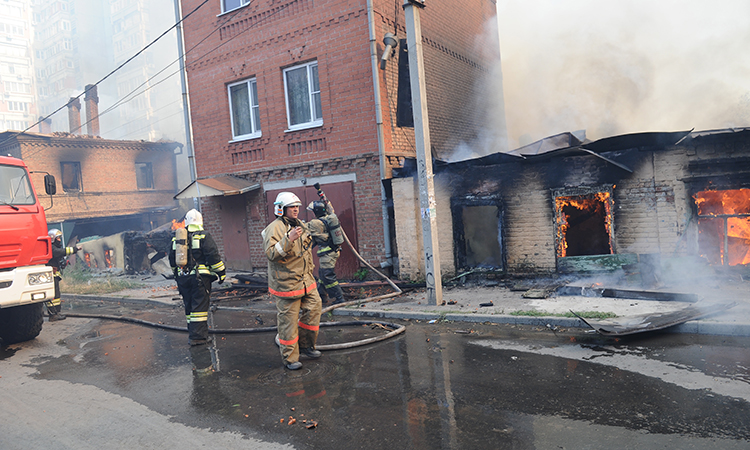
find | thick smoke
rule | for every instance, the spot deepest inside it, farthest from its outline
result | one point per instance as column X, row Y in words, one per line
column 623, row 67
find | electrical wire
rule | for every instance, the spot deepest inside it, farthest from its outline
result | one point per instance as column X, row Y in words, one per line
column 109, row 74
column 132, row 94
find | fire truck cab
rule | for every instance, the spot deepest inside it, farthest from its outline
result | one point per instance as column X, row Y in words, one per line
column 25, row 248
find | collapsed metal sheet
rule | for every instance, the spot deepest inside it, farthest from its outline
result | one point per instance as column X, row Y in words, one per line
column 656, row 321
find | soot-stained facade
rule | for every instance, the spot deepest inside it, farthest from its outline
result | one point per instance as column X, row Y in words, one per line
column 565, row 204
column 104, row 186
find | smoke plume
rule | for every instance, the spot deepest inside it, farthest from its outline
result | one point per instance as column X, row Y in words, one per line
column 623, row 67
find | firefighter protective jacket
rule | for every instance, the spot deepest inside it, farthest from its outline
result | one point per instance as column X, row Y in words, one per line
column 203, row 258
column 290, row 264
column 58, row 257
column 321, row 237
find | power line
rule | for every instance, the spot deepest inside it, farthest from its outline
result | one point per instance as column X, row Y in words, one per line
column 131, row 93
column 125, row 99
column 155, row 121
column 110, row 73
column 140, row 117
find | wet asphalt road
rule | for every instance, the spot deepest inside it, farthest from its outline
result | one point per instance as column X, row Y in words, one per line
column 444, row 385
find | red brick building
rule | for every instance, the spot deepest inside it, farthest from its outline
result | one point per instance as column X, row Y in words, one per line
column 288, row 93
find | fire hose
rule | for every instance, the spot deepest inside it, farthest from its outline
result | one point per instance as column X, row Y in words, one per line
column 395, row 329
column 323, row 197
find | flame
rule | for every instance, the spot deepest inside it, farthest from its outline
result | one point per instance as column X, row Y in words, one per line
column 87, row 259
column 108, row 256
column 584, row 202
column 719, row 211
column 176, row 224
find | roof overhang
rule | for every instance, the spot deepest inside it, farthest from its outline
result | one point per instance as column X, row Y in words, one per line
column 215, row 187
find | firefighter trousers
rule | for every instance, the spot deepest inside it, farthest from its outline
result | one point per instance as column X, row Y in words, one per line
column 298, row 322
column 328, row 282
column 195, row 291
column 55, row 305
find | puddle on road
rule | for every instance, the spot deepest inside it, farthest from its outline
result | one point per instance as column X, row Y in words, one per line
column 634, row 360
column 435, row 386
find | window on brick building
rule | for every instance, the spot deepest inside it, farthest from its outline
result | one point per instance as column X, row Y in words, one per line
column 478, row 232
column 144, row 175
column 302, row 92
column 243, row 106
column 228, row 5
column 71, row 176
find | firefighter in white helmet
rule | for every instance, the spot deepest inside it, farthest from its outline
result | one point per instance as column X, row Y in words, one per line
column 204, row 265
column 58, row 263
column 288, row 247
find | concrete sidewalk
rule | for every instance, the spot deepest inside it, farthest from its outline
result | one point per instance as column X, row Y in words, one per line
column 510, row 306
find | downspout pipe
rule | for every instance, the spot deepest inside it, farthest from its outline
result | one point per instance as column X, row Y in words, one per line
column 186, row 106
column 379, row 124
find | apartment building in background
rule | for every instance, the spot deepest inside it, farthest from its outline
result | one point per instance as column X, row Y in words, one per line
column 18, row 108
column 79, row 42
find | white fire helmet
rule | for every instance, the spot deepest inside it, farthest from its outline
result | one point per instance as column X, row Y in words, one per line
column 283, row 200
column 193, row 217
column 54, row 234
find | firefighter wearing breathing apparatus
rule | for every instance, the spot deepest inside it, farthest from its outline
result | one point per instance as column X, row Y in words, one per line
column 58, row 263
column 196, row 263
column 323, row 230
column 288, row 247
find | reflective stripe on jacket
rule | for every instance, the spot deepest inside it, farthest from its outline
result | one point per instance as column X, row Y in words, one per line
column 290, row 264
column 205, row 257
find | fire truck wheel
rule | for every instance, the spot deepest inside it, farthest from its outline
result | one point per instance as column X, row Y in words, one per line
column 21, row 323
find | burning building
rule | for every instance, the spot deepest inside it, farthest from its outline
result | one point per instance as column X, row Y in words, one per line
column 565, row 204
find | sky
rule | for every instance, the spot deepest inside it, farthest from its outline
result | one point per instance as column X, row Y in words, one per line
column 623, row 67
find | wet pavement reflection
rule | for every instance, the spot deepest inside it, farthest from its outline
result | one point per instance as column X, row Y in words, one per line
column 443, row 385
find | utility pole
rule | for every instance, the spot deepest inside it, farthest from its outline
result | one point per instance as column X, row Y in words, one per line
column 424, row 153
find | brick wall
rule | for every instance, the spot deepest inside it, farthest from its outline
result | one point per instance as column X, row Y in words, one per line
column 367, row 203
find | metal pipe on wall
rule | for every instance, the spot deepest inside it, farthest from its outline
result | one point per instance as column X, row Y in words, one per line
column 381, row 139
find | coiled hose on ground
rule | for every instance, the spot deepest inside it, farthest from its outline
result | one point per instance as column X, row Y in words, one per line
column 395, row 328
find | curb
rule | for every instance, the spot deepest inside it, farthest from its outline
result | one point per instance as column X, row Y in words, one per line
column 135, row 300
column 690, row 327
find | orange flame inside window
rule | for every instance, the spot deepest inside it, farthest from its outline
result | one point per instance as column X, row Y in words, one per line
column 108, row 255
column 724, row 226
column 584, row 223
column 176, row 224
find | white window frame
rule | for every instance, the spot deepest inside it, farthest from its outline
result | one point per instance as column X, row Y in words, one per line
column 253, row 103
column 312, row 95
column 224, row 6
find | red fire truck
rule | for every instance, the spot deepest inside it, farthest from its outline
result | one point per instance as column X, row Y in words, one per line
column 25, row 280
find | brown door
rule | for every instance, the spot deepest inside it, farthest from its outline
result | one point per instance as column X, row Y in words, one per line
column 341, row 196
column 234, row 231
